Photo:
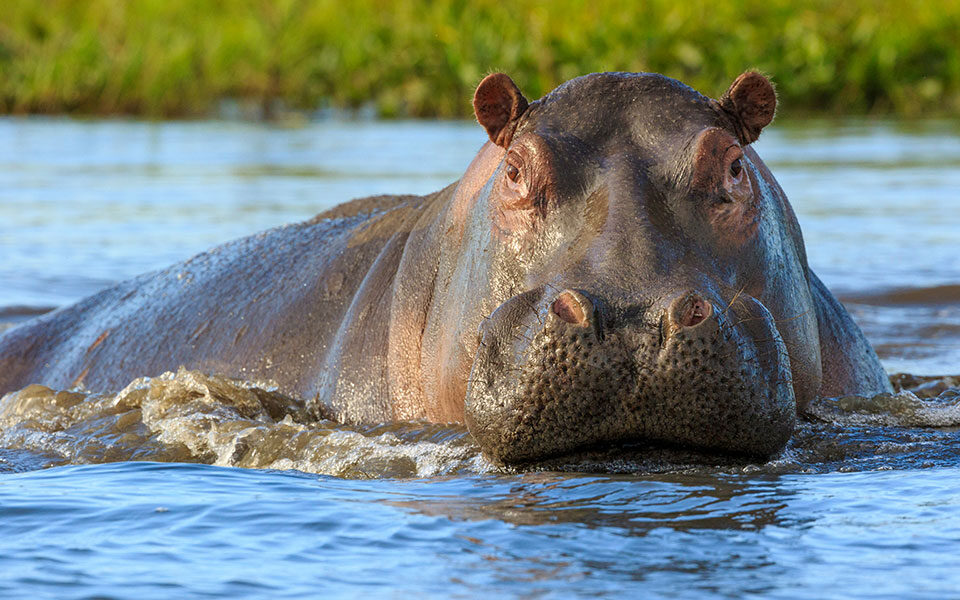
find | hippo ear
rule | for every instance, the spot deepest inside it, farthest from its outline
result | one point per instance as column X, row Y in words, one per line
column 751, row 103
column 498, row 104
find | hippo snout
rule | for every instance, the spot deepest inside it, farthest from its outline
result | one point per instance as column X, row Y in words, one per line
column 560, row 372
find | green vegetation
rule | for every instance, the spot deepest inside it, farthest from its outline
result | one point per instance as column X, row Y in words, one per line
column 182, row 57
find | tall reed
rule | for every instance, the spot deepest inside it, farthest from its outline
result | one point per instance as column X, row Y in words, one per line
column 423, row 58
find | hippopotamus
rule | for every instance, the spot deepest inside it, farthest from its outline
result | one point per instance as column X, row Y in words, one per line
column 616, row 266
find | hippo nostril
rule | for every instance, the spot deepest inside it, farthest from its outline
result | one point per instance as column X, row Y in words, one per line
column 698, row 311
column 689, row 310
column 570, row 307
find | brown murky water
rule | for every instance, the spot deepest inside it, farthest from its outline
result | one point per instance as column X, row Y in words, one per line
column 192, row 417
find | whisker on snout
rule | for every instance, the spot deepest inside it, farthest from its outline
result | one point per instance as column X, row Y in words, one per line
column 734, row 299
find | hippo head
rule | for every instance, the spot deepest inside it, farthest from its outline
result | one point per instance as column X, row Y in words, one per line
column 634, row 273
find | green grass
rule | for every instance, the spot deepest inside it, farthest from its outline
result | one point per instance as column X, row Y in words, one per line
column 182, row 57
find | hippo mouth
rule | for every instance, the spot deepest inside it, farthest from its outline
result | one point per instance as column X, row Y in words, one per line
column 557, row 377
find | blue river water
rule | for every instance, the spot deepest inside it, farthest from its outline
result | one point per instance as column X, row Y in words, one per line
column 139, row 495
column 154, row 530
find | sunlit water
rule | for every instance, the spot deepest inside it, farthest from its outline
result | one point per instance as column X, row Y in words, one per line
column 188, row 485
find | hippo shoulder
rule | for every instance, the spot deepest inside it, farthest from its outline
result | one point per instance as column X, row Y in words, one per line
column 364, row 207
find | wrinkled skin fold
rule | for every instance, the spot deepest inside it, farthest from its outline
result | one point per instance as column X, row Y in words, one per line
column 616, row 265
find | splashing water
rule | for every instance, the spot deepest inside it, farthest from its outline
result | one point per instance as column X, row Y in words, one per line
column 192, row 417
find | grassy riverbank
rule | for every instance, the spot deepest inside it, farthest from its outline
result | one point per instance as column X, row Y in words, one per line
column 183, row 57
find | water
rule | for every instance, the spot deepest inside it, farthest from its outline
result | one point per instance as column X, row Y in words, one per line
column 206, row 531
column 193, row 486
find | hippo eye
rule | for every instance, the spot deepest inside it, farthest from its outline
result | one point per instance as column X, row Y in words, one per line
column 513, row 173
column 735, row 168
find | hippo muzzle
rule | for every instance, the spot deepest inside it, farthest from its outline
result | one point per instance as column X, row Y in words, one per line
column 558, row 373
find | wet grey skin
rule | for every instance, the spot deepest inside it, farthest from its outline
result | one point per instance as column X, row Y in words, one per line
column 616, row 266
